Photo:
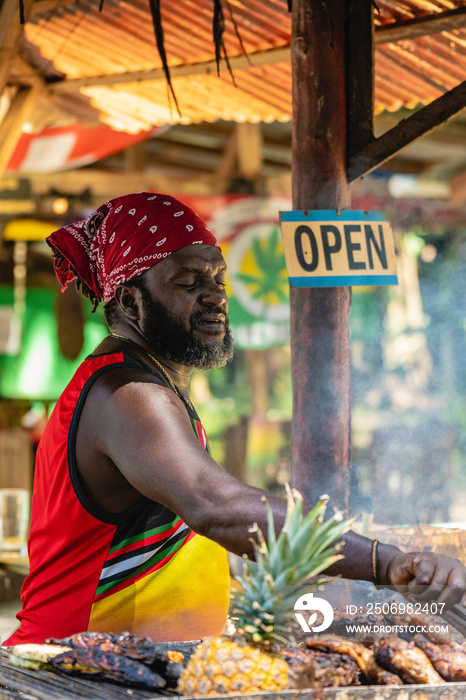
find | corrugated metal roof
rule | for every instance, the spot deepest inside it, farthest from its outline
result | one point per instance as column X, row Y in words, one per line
column 76, row 41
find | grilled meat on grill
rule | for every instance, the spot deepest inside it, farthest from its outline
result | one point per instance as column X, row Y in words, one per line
column 363, row 657
column 84, row 640
column 35, row 656
column 172, row 673
column 165, row 661
column 360, row 623
column 309, row 668
column 448, row 659
column 113, row 667
column 446, row 635
column 407, row 660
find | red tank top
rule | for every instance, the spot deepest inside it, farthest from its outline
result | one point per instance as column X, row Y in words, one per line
column 142, row 570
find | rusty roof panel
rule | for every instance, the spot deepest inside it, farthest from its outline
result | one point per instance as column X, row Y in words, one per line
column 396, row 11
column 122, row 35
column 258, row 96
column 77, row 41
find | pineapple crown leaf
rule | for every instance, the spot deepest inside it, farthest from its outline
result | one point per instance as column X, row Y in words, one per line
column 303, row 538
column 294, row 509
column 262, row 542
column 271, row 536
column 306, row 545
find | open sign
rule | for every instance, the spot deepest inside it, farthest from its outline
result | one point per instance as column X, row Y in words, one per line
column 330, row 249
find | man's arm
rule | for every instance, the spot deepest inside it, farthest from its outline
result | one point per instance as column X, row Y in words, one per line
column 145, row 431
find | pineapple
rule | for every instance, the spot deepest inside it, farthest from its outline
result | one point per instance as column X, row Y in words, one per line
column 262, row 605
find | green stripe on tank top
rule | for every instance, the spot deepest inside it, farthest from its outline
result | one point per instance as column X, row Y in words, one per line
column 147, row 565
column 144, row 535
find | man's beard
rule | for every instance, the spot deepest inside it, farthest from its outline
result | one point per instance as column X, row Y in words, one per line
column 165, row 334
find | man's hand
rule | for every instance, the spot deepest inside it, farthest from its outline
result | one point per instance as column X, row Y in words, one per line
column 423, row 576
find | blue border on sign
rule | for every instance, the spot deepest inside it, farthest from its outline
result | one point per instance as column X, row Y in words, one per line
column 330, row 215
column 344, row 281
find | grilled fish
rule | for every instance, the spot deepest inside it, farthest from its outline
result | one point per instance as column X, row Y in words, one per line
column 131, row 645
column 167, row 662
column 115, row 667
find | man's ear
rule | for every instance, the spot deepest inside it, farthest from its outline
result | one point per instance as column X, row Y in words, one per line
column 129, row 300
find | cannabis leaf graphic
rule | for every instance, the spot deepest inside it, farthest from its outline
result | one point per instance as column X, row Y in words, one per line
column 270, row 283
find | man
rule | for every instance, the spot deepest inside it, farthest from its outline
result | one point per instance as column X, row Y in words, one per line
column 131, row 517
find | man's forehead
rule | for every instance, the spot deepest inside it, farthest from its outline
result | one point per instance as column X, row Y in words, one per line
column 194, row 256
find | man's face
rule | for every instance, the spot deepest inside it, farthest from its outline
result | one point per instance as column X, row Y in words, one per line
column 186, row 309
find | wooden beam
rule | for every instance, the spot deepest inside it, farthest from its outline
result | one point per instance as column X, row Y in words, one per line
column 107, row 184
column 227, row 164
column 11, row 32
column 360, row 75
column 406, row 132
column 22, row 73
column 11, row 127
column 421, row 26
column 260, row 58
column 319, row 317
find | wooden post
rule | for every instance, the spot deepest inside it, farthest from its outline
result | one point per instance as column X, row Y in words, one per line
column 11, row 32
column 250, row 157
column 360, row 61
column 319, row 317
column 135, row 157
column 20, row 111
column 250, row 162
column 256, row 365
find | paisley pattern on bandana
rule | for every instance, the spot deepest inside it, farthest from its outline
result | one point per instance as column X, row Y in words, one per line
column 123, row 238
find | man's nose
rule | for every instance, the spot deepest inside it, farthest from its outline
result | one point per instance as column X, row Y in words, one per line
column 214, row 294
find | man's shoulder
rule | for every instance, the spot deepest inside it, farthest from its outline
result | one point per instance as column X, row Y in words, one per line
column 127, row 387
column 126, row 393
column 126, row 371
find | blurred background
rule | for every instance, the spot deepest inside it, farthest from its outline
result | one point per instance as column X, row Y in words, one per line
column 407, row 348
column 80, row 125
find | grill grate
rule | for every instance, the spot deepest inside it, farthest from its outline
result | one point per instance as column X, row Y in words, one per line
column 51, row 686
column 44, row 685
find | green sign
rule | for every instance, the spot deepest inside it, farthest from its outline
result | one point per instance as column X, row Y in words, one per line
column 39, row 371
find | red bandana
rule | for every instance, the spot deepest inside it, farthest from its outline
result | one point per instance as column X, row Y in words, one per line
column 123, row 238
